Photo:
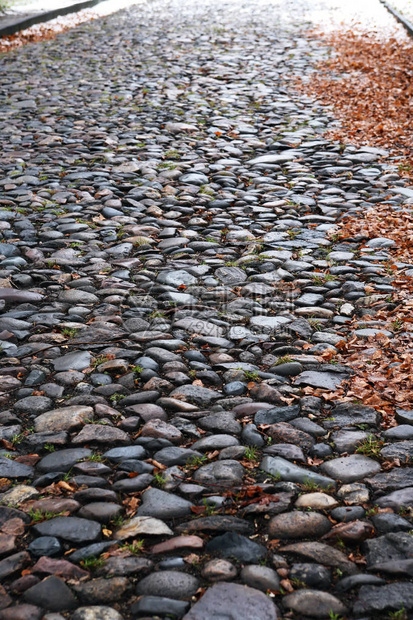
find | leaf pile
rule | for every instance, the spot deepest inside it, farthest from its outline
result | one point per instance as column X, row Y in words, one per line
column 383, row 365
column 369, row 83
column 46, row 31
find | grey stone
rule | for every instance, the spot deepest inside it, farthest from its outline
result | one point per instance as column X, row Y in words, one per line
column 273, row 158
column 269, row 322
column 90, row 551
column 76, row 296
column 395, row 546
column 232, row 545
column 33, row 404
column 230, row 275
column 403, row 431
column 397, row 478
column 215, row 442
column 314, row 603
column 196, row 394
column 13, row 469
column 72, row 529
column 129, row 565
column 13, row 563
column 367, row 332
column 403, row 498
column 351, row 468
column 77, row 360
column 386, row 523
column 260, row 577
column 45, row 546
column 348, row 414
column 149, row 606
column 62, row 460
column 216, row 523
column 102, row 434
column 101, row 590
column 13, row 295
column 312, row 575
column 381, row 599
column 279, row 467
column 198, row 326
column 290, row 369
column 324, row 380
column 232, row 601
column 176, row 278
column 52, row 594
column 64, row 419
column 176, row 456
column 347, row 441
column 404, row 416
column 96, row 612
column 298, row 524
column 225, row 473
column 171, row 584
column 355, row 581
column 322, row 554
column 221, row 422
column 162, row 505
column 402, row 450
column 117, row 455
column 348, row 513
column 276, row 414
column 142, row 525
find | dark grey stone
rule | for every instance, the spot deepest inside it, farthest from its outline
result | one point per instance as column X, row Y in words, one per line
column 162, row 505
column 398, row 499
column 45, row 545
column 52, row 594
column 313, row 575
column 235, row 546
column 279, row 467
column 324, row 380
column 347, row 414
column 90, row 551
column 396, row 546
column 401, row 450
column 381, row 599
column 386, row 523
column 276, row 414
column 72, row 529
column 62, row 460
column 158, row 606
column 13, row 469
column 232, row 601
column 168, row 583
column 351, row 468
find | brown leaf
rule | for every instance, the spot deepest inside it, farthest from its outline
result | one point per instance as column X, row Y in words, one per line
column 5, row 484
column 65, row 486
column 156, row 464
column 286, row 585
column 28, row 459
column 198, row 510
column 191, row 558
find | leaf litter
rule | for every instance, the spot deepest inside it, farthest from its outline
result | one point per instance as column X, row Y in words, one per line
column 367, row 81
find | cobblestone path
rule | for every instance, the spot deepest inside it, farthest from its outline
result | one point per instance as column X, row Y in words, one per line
column 168, row 283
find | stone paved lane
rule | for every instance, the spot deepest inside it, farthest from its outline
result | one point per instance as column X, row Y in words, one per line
column 167, row 285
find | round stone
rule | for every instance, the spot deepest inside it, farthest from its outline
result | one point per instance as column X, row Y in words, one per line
column 45, row 546
column 298, row 524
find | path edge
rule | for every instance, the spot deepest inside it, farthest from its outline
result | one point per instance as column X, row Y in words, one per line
column 39, row 18
column 405, row 22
